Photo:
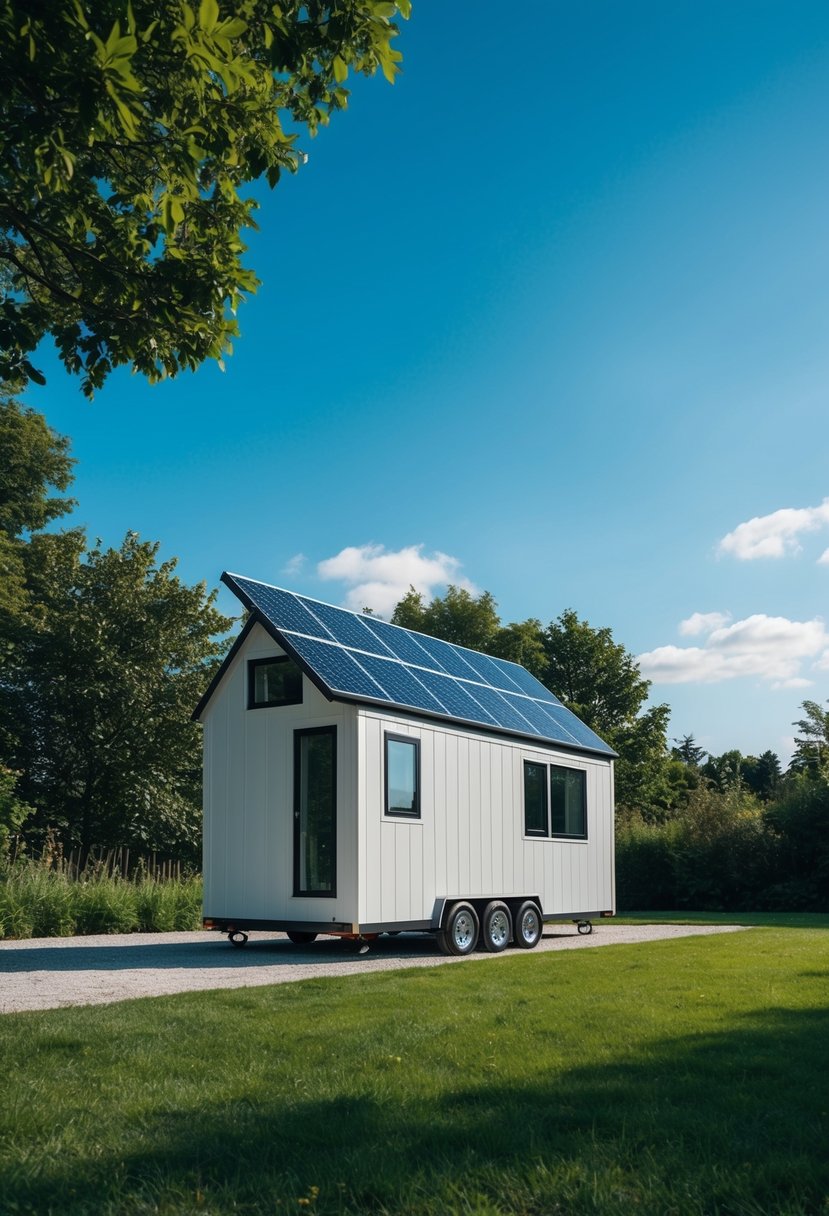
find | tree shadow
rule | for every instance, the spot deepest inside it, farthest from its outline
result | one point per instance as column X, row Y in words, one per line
column 727, row 1122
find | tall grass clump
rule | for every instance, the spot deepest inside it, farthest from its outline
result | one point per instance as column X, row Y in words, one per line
column 168, row 905
column 47, row 898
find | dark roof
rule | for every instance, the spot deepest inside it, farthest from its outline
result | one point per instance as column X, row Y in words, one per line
column 354, row 657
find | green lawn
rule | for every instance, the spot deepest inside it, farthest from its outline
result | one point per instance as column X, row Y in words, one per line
column 683, row 1077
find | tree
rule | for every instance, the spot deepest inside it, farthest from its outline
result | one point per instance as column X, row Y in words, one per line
column 811, row 746
column 688, row 751
column 725, row 772
column 600, row 681
column 102, row 685
column 522, row 642
column 34, row 460
column 594, row 676
column 129, row 129
column 473, row 621
column 762, row 775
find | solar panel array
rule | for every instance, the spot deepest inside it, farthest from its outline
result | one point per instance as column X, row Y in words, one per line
column 360, row 657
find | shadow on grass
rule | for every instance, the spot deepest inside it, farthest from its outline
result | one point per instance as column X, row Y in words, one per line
column 728, row 1123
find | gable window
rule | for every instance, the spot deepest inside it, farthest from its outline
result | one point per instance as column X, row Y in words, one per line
column 402, row 776
column 275, row 681
column 555, row 801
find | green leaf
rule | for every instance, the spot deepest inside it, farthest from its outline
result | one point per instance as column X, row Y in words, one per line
column 208, row 15
column 340, row 69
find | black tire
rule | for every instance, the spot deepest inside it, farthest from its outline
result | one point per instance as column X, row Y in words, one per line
column 585, row 926
column 300, row 938
column 496, row 927
column 528, row 925
column 461, row 931
column 237, row 938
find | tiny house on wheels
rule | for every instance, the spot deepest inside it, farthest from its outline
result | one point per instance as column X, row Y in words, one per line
column 361, row 778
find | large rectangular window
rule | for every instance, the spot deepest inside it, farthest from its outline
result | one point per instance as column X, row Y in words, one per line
column 276, row 681
column 535, row 799
column 402, row 776
column 555, row 801
column 568, row 802
column 315, row 811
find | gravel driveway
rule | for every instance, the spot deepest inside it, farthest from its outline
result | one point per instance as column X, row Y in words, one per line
column 48, row 973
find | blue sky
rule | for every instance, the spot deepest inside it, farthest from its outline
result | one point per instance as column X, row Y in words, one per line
column 547, row 318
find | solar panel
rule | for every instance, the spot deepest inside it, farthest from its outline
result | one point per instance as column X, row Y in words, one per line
column 446, row 657
column 458, row 698
column 401, row 682
column 348, row 629
column 357, row 656
column 337, row 668
column 490, row 672
column 401, row 642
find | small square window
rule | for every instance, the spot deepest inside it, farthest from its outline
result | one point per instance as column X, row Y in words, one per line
column 273, row 682
column 402, row 777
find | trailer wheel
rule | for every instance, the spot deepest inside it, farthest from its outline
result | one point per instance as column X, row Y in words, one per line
column 237, row 938
column 299, row 937
column 496, row 927
column 461, row 932
column 528, row 925
column 585, row 926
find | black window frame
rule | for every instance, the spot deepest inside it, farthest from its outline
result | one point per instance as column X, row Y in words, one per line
column 549, row 834
column 253, row 665
column 299, row 735
column 567, row 768
column 413, row 741
column 535, row 833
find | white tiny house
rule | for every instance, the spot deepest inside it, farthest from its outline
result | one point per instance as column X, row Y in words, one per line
column 362, row 778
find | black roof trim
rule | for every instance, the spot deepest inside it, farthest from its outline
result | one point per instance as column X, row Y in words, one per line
column 481, row 728
column 228, row 659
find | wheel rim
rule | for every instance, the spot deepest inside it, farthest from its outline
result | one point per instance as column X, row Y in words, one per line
column 499, row 929
column 463, row 931
column 529, row 926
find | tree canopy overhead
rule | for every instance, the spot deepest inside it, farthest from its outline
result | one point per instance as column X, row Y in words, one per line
column 127, row 130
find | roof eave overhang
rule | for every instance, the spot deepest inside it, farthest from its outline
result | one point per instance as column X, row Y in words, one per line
column 481, row 728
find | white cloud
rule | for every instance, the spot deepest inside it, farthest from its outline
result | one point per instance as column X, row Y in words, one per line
column 703, row 622
column 769, row 648
column 378, row 578
column 776, row 535
column 294, row 564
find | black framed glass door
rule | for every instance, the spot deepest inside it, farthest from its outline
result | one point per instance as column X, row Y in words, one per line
column 315, row 811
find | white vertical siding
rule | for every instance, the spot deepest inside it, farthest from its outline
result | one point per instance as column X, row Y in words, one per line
column 248, row 800
column 470, row 838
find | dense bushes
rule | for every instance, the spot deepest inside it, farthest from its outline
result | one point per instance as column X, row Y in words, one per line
column 728, row 852
column 39, row 901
